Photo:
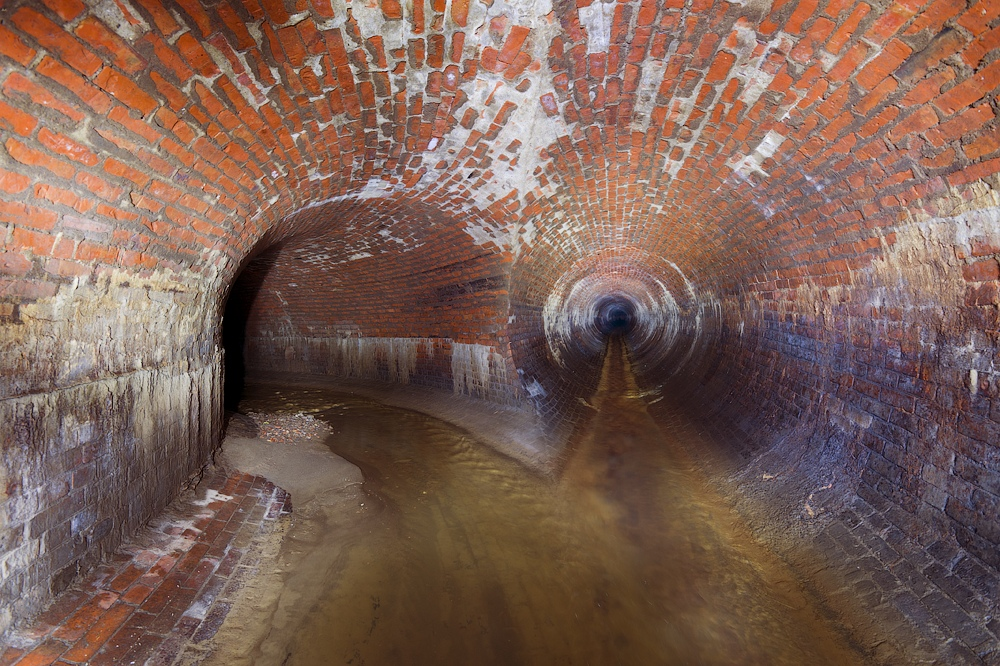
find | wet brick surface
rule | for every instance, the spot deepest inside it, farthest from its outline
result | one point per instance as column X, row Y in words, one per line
column 168, row 588
column 939, row 596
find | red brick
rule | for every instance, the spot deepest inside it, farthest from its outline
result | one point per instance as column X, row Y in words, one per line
column 489, row 60
column 75, row 84
column 435, row 51
column 974, row 172
column 982, row 294
column 28, row 289
column 12, row 263
column 934, row 16
column 970, row 90
column 457, row 46
column 889, row 23
column 31, row 157
column 87, row 251
column 15, row 120
column 125, row 144
column 720, row 67
column 116, row 213
column 99, row 186
column 56, row 40
column 10, row 656
column 97, row 35
column 873, row 125
column 140, row 127
column 981, row 271
column 142, row 201
column 99, row 633
column 517, row 67
column 238, row 27
column 18, row 84
column 876, row 97
column 169, row 58
column 512, row 45
column 967, row 122
column 847, row 29
column 64, row 268
column 163, row 191
column 929, row 88
column 196, row 11
column 63, row 145
column 14, row 47
column 116, row 168
column 136, row 594
column 13, row 183
column 64, row 248
column 943, row 45
column 315, row 43
column 460, row 12
column 891, row 57
column 983, row 247
column 922, row 119
column 43, row 655
column 975, row 52
column 125, row 91
column 163, row 19
column 126, row 577
column 392, row 10
column 27, row 216
column 979, row 16
column 849, row 62
column 986, row 143
column 276, row 10
column 292, row 45
column 803, row 12
column 549, row 104
column 208, row 100
column 67, row 10
column 58, row 195
column 196, row 55
column 942, row 160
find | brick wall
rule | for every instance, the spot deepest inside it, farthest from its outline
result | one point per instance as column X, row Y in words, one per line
column 803, row 194
column 897, row 361
column 109, row 404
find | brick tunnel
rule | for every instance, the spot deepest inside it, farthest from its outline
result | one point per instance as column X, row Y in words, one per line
column 788, row 208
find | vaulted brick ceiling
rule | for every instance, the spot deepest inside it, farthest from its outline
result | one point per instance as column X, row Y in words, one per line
column 732, row 139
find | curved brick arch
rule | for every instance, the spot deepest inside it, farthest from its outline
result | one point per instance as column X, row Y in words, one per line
column 821, row 172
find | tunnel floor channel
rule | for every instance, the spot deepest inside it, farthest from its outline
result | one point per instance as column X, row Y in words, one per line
column 454, row 554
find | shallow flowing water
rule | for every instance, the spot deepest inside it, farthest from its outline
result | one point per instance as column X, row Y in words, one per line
column 463, row 557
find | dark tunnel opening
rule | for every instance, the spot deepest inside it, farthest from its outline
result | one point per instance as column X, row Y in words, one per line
column 615, row 317
column 234, row 322
column 236, row 315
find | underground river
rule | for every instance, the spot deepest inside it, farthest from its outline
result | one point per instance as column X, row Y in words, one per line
column 450, row 553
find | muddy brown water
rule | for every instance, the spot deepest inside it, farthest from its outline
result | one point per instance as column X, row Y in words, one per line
column 458, row 555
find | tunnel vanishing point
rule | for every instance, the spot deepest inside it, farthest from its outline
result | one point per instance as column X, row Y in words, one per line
column 789, row 208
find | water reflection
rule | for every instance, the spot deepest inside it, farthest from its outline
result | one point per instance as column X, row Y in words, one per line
column 628, row 558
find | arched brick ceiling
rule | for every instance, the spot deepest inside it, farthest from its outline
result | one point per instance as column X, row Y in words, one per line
column 694, row 130
column 392, row 270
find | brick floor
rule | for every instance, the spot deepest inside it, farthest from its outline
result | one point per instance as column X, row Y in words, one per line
column 944, row 597
column 170, row 587
column 932, row 602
